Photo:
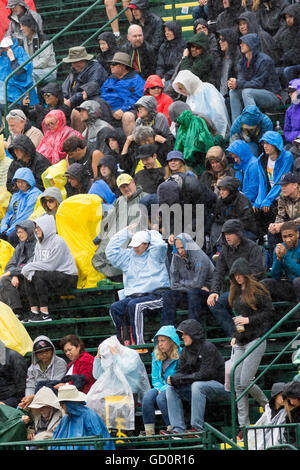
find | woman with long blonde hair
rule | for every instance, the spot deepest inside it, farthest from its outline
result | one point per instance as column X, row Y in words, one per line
column 252, row 306
column 164, row 363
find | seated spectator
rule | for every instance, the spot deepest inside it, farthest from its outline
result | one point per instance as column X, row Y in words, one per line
column 46, row 413
column 170, row 51
column 78, row 420
column 287, row 39
column 115, row 140
column 149, row 116
column 197, row 58
column 52, row 98
column 13, row 372
column 119, row 371
column 25, row 155
column 79, row 152
column 126, row 210
column 108, row 172
column 254, row 312
column 201, row 96
column 91, row 91
column 257, row 82
column 101, row 188
column 250, row 126
column 230, row 53
column 235, row 245
column 21, row 204
column 152, row 175
column 272, row 164
column 292, row 114
column 295, row 151
column 18, row 124
column 228, row 17
column 145, row 274
column 190, row 276
column 50, row 200
column 79, row 181
column 12, row 290
column 108, row 47
column 31, row 39
column 214, row 8
column 154, row 86
column 93, row 135
column 232, row 204
column 176, row 164
column 18, row 8
column 284, row 283
column 217, row 168
column 248, row 23
column 52, row 269
column 12, row 56
column 81, row 362
column 83, row 70
column 141, row 53
column 288, row 209
column 151, row 24
column 165, row 358
column 5, row 163
column 246, row 168
column 268, row 14
column 202, row 26
column 122, row 89
column 291, row 397
column 45, row 365
column 55, row 133
column 195, row 381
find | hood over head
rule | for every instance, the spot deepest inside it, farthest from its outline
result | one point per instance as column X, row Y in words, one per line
column 116, row 133
column 252, row 40
column 51, row 192
column 193, row 328
column 251, row 20
column 273, row 138
column 277, row 388
column 176, row 108
column 153, row 80
column 200, row 39
column 292, row 10
column 55, row 89
column 251, row 115
column 101, row 188
column 170, row 332
column 241, row 149
column 141, row 4
column 22, row 142
column 230, row 183
column 35, row 341
column 47, row 225
column 26, row 175
column 109, row 38
column 78, row 171
column 148, row 102
column 110, row 162
column 291, row 390
column 92, row 88
column 175, row 27
column 56, row 114
column 189, row 80
column 240, row 266
column 93, row 109
column 234, row 226
column 28, row 226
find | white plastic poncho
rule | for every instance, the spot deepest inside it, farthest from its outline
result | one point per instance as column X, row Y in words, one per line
column 204, row 98
column 261, row 439
column 119, row 377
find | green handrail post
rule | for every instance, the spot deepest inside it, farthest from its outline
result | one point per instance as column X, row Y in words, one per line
column 254, row 346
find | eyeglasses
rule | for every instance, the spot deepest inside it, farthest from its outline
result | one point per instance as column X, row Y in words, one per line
column 51, row 199
column 47, row 95
column 222, row 40
column 155, row 87
column 112, row 64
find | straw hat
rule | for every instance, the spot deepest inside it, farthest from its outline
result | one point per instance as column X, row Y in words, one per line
column 76, row 54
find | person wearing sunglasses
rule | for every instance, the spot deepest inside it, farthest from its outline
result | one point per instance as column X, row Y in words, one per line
column 154, row 86
column 50, row 200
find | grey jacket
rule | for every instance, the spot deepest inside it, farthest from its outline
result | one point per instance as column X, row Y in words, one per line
column 14, row 25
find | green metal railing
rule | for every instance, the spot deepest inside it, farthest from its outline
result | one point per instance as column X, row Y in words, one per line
column 265, row 370
column 7, row 106
column 259, row 434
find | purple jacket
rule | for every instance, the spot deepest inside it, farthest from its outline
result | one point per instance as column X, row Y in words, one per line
column 292, row 116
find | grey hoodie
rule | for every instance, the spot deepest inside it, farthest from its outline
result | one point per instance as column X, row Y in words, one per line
column 14, row 25
column 94, row 123
column 193, row 271
column 55, row 371
column 51, row 192
column 158, row 121
column 52, row 254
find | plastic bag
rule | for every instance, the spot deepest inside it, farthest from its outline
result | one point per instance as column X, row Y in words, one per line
column 111, row 396
column 6, row 252
column 55, row 176
column 78, row 222
column 5, row 197
column 12, row 331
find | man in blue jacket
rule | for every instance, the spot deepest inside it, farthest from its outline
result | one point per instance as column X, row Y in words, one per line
column 145, row 275
column 257, row 82
column 284, row 283
column 246, row 166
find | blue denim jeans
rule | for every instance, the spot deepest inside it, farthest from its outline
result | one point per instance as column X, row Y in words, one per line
column 151, row 401
column 286, row 74
column 222, row 313
column 239, row 99
column 197, row 394
column 193, row 299
column 200, row 12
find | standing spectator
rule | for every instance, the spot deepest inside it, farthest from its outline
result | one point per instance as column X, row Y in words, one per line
column 142, row 55
column 111, row 12
column 151, row 24
column 190, row 275
column 199, row 378
column 170, row 51
column 257, row 82
column 18, row 8
column 13, row 371
column 253, row 308
column 52, row 269
column 145, row 274
column 81, row 362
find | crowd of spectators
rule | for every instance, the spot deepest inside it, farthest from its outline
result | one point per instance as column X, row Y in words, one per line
column 198, row 190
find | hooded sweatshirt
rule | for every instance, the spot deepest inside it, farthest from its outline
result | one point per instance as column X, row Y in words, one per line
column 104, row 58
column 80, row 173
column 14, row 26
column 287, row 37
column 22, row 203
column 51, row 192
column 201, row 65
column 159, row 377
column 45, row 397
column 195, row 270
column 158, row 121
column 247, row 169
column 24, row 251
column 170, row 52
column 94, row 124
column 210, row 178
column 292, row 114
column 201, row 361
column 163, row 100
column 55, row 370
column 269, row 15
column 52, row 253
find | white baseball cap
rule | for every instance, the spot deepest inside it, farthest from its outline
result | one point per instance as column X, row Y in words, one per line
column 6, row 42
column 139, row 238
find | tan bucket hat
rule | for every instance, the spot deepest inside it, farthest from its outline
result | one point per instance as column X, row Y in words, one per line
column 70, row 393
column 76, row 54
column 121, row 58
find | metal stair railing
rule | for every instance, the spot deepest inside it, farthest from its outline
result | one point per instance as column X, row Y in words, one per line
column 265, row 370
column 51, row 41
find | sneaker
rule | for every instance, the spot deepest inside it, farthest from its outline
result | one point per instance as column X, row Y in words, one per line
column 164, row 432
column 189, row 432
column 38, row 317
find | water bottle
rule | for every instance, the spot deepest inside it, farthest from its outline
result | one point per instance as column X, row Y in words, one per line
column 278, row 127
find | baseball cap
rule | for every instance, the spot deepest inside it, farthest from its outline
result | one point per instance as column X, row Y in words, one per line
column 42, row 345
column 146, row 150
column 289, row 178
column 6, row 42
column 139, row 238
column 124, row 178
